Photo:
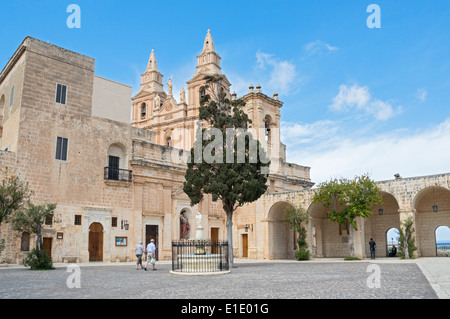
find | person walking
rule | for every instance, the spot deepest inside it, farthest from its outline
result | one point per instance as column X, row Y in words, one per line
column 151, row 254
column 372, row 246
column 139, row 251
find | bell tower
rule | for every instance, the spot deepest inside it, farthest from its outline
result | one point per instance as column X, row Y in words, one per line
column 208, row 63
column 151, row 78
column 150, row 93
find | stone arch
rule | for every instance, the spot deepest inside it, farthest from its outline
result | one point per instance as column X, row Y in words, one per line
column 384, row 217
column 328, row 239
column 443, row 244
column 432, row 209
column 120, row 151
column 392, row 236
column 281, row 239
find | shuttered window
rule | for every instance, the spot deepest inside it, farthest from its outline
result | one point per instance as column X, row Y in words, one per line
column 61, row 93
column 61, row 148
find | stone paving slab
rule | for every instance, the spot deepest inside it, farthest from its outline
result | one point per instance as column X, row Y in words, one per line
column 328, row 279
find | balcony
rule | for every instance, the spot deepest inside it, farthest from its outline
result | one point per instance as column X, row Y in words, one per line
column 116, row 174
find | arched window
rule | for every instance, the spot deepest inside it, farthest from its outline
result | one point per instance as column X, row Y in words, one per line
column 117, row 163
column 11, row 97
column 25, row 242
column 143, row 111
column 2, row 105
column 267, row 123
column 169, row 142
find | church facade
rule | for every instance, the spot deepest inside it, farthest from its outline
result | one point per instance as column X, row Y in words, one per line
column 117, row 176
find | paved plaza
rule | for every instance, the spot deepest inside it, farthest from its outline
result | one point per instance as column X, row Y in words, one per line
column 425, row 278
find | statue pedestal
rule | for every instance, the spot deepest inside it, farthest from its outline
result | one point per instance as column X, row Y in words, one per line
column 199, row 233
column 200, row 250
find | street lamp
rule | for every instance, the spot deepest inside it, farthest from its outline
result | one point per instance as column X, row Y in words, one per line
column 435, row 207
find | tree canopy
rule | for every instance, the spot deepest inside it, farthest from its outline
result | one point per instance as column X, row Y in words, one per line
column 32, row 220
column 346, row 200
column 226, row 161
column 13, row 195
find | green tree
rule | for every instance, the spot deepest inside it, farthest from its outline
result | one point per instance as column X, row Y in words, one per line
column 356, row 198
column 217, row 165
column 13, row 194
column 407, row 244
column 296, row 218
column 32, row 220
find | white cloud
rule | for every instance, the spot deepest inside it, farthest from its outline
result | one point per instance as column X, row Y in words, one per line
column 319, row 46
column 297, row 133
column 400, row 151
column 238, row 83
column 283, row 73
column 422, row 94
column 359, row 98
column 349, row 97
column 381, row 110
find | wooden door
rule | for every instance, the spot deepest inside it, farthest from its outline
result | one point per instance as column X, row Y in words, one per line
column 214, row 239
column 151, row 232
column 96, row 242
column 244, row 245
column 47, row 246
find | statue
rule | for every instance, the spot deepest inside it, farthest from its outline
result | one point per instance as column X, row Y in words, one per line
column 184, row 225
column 199, row 219
column 183, row 96
column 199, row 232
column 170, row 86
column 157, row 102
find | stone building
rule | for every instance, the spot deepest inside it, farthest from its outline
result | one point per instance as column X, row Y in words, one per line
column 117, row 176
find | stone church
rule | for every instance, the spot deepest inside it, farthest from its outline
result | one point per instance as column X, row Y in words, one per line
column 117, row 176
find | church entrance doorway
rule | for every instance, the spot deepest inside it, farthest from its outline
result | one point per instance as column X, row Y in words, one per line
column 151, row 232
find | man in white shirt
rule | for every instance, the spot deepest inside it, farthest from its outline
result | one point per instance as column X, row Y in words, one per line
column 151, row 254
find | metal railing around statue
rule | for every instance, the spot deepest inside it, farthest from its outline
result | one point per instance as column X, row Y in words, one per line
column 199, row 256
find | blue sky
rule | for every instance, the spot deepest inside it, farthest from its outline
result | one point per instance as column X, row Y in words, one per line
column 356, row 100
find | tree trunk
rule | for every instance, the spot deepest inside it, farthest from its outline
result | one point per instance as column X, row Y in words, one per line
column 351, row 245
column 405, row 244
column 230, row 238
column 39, row 239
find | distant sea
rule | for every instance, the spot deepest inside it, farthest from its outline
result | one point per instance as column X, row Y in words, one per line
column 443, row 244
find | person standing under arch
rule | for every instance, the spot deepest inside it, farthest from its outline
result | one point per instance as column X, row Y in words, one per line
column 372, row 246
